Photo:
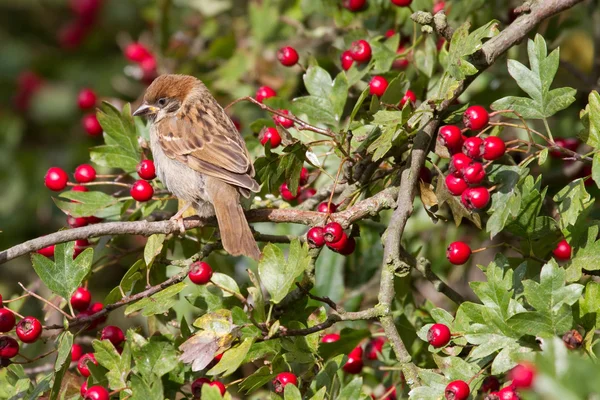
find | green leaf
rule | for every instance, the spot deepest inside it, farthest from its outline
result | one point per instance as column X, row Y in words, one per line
column 426, row 58
column 348, row 341
column 278, row 274
column 395, row 90
column 159, row 303
column 272, row 170
column 232, row 359
column 506, row 201
column 118, row 366
column 153, row 247
column 352, row 390
column 590, row 117
column 259, row 378
column 589, row 307
column 596, row 169
column 153, row 358
column 227, row 282
column 464, row 44
column 141, row 390
column 84, row 204
column 61, row 364
column 127, row 282
column 572, row 201
column 291, row 392
column 65, row 274
column 113, row 157
column 455, row 368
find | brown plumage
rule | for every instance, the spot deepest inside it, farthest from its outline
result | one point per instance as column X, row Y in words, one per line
column 200, row 156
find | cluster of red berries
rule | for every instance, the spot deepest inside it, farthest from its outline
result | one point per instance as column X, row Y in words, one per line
column 270, row 134
column 331, row 235
column 378, row 85
column 28, row 83
column 139, row 54
column 360, row 5
column 86, row 100
column 71, row 35
column 304, row 192
column 81, row 301
column 359, row 52
column 141, row 189
column 28, row 330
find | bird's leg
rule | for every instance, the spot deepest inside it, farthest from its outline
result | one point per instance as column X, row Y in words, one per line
column 179, row 216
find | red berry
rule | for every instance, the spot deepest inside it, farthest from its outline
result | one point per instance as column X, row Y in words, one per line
column 345, row 246
column 272, row 136
column 79, row 188
column 80, row 246
column 522, row 376
column 72, row 34
column 325, row 207
column 473, row 174
column 283, row 379
column 330, row 338
column 82, row 364
column 562, row 251
column 287, row 56
column 283, row 121
column 56, row 179
column 378, row 85
column 458, row 163
column 408, row 96
column 85, row 173
column 425, row 175
column 457, row 390
column 113, row 334
column 237, row 123
column 9, row 347
column 200, row 273
column 137, row 52
column 94, row 309
column 473, row 147
column 508, row 393
column 146, row 170
column 86, row 99
column 148, row 67
column 264, row 92
column 475, row 198
column 96, row 393
column 91, row 125
column 286, row 194
column 141, row 191
column 458, row 253
column 333, row 232
column 494, row 148
column 438, row 335
column 347, row 60
column 490, row 384
column 47, row 251
column 401, row 63
column 355, row 5
column 219, row 385
column 476, row 118
column 314, row 237
column 7, row 320
column 567, row 143
column 304, row 174
column 29, row 329
column 360, row 51
column 83, row 390
column 76, row 222
column 374, row 348
column 76, row 352
column 354, row 364
column 389, row 33
column 401, row 3
column 197, row 386
column 86, row 9
column 456, row 185
column 450, row 136
column 437, row 7
column 306, row 194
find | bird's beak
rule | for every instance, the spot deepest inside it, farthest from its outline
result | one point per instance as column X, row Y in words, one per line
column 145, row 109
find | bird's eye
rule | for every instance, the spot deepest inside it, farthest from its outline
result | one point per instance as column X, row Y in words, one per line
column 162, row 101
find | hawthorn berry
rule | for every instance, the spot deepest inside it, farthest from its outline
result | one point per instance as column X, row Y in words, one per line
column 85, row 173
column 137, row 52
column 330, row 338
column 92, row 310
column 494, row 148
column 141, row 191
column 473, row 147
column 374, row 347
column 91, row 125
column 457, row 390
column 354, row 364
column 9, row 347
column 264, row 92
column 72, row 34
column 56, row 179
column 82, row 364
column 29, row 329
column 200, row 273
column 86, row 9
column 86, row 99
column 148, row 67
column 458, row 253
column 450, row 136
column 283, row 121
column 326, row 207
column 96, row 393
column 7, row 320
column 76, row 222
column 425, row 174
column 304, row 175
column 439, row 6
column 439, row 335
column 360, row 51
column 378, row 85
column 83, row 389
column 47, row 251
column 473, row 174
column 272, row 136
column 287, row 56
column 314, row 237
column 346, row 60
column 402, row 62
column 306, row 193
column 522, row 376
column 490, row 384
column 80, row 245
column 113, row 334
column 401, row 3
column 476, row 198
column 567, row 143
column 286, row 193
column 79, row 188
column 408, row 96
column 332, row 232
column 346, row 247
column 456, row 185
column 508, row 393
column 458, row 163
column 76, row 352
column 355, row 5
column 146, row 170
column 476, row 118
column 283, row 379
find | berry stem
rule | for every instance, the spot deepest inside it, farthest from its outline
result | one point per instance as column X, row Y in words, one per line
column 15, row 299
column 29, row 292
column 100, row 183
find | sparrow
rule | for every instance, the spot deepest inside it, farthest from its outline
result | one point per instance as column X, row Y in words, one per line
column 200, row 156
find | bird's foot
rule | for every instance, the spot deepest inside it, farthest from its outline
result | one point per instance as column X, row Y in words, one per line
column 179, row 218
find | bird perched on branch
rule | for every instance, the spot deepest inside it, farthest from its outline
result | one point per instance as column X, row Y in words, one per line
column 200, row 156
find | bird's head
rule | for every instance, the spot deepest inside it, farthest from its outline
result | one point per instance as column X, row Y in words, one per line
column 165, row 95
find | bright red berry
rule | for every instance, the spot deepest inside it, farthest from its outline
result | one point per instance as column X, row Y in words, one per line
column 137, row 52
column 508, row 393
column 332, row 232
column 374, row 347
column 473, row 147
column 96, row 393
column 439, row 335
column 76, row 222
column 360, row 51
column 79, row 188
column 304, row 175
column 29, row 329
column 200, row 273
column 56, row 179
column 314, row 237
column 83, row 390
column 475, row 198
column 7, row 320
column 113, row 334
column 562, row 251
column 476, row 118
column 85, row 173
column 197, row 386
column 9, row 347
column 283, row 379
column 86, row 99
column 146, row 170
column 272, row 136
column 401, row 3
column 283, row 121
column 354, row 364
column 47, row 251
column 80, row 246
column 330, row 338
column 91, row 125
column 494, row 148
column 389, row 33
column 450, row 136
column 408, row 96
column 522, row 376
column 457, row 390
column 456, row 185
column 347, row 60
column 378, row 85
column 355, row 5
column 287, row 56
column 326, row 207
column 76, row 352
column 141, row 191
column 219, row 385
column 286, row 193
column 458, row 163
column 82, row 364
column 264, row 92
column 439, row 6
column 458, row 253
column 473, row 174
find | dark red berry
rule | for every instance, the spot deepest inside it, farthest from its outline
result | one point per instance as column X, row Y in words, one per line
column 360, row 51
column 79, row 188
column 200, row 273
column 82, row 364
column 473, row 174
column 494, row 148
column 402, row 62
column 522, row 376
column 458, row 253
column 113, row 334
column 562, row 251
column 7, row 320
column 72, row 34
column 457, row 390
column 9, row 347
column 78, row 222
column 86, row 99
column 401, row 3
column 567, row 143
column 86, row 9
column 456, row 185
column 137, row 52
column 47, row 252
column 345, row 246
column 439, row 335
column 347, row 60
column 264, row 92
column 425, row 174
column 476, row 118
column 410, row 97
column 374, row 347
column 355, row 5
column 490, row 384
column 286, row 193
column 146, row 170
column 141, row 191
column 197, row 386
column 326, row 207
column 332, row 232
column 91, row 125
column 378, row 85
column 458, row 163
column 354, row 364
column 80, row 246
column 283, row 379
column 330, row 338
column 306, row 193
column 287, row 56
column 76, row 352
column 473, row 147
column 450, row 136
column 96, row 393
column 283, row 121
column 29, row 329
column 315, row 238
column 476, row 198
column 272, row 136
column 56, row 179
